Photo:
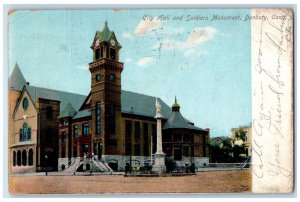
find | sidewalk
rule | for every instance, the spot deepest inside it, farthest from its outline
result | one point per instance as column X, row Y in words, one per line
column 206, row 169
column 65, row 174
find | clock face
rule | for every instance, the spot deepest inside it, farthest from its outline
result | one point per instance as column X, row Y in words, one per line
column 112, row 42
column 97, row 42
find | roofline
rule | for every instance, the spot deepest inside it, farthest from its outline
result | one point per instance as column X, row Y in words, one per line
column 19, row 101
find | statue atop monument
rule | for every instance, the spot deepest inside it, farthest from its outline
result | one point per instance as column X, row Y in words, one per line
column 158, row 107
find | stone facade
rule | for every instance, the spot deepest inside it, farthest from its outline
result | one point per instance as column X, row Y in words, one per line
column 23, row 147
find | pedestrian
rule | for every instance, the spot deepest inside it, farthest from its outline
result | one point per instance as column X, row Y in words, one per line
column 46, row 164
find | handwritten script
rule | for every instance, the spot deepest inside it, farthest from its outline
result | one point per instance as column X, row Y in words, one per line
column 274, row 39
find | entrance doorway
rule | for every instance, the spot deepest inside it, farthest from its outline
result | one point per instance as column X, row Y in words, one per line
column 177, row 153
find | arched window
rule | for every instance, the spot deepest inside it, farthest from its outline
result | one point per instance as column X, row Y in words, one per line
column 24, row 158
column 49, row 113
column 25, row 103
column 63, row 167
column 21, row 135
column 14, row 158
column 19, row 158
column 30, row 158
column 25, row 130
column 97, row 54
column 98, row 118
column 25, row 133
column 63, row 137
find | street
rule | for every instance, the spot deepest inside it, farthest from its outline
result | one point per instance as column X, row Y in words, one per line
column 203, row 182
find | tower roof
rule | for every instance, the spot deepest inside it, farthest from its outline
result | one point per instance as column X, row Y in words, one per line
column 175, row 105
column 16, row 79
column 176, row 120
column 106, row 34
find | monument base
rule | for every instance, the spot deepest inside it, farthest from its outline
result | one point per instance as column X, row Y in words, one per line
column 159, row 165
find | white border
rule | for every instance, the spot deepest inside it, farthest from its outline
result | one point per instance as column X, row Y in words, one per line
column 61, row 4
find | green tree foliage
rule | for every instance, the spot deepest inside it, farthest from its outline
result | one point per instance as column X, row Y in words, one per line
column 170, row 164
column 242, row 134
column 222, row 154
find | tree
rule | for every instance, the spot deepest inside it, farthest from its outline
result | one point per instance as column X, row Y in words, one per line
column 242, row 134
column 170, row 164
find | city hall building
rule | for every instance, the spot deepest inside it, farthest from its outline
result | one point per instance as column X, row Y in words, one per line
column 103, row 131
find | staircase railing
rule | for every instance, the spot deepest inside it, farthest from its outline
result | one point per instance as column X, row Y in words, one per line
column 69, row 164
column 245, row 163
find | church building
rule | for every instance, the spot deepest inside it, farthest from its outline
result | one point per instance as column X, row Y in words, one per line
column 104, row 130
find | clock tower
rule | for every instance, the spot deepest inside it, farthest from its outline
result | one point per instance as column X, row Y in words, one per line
column 106, row 94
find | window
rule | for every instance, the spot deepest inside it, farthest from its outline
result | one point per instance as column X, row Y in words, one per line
column 85, row 148
column 14, row 158
column 146, row 143
column 112, row 54
column 75, row 130
column 25, row 133
column 97, row 54
column 19, row 158
column 112, row 118
column 137, row 148
column 177, row 137
column 98, row 118
column 74, row 151
column 63, row 153
column 49, row 113
column 25, row 103
column 128, row 130
column 85, row 129
column 63, row 122
column 186, row 151
column 63, row 137
column 98, row 77
column 112, row 77
column 30, row 159
column 24, row 158
column 186, row 137
column 137, row 132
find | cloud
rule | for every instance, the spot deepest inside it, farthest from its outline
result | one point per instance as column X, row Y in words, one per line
column 197, row 37
column 146, row 61
column 127, row 35
column 201, row 35
column 147, row 26
column 82, row 66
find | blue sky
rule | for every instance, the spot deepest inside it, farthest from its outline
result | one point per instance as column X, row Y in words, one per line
column 206, row 64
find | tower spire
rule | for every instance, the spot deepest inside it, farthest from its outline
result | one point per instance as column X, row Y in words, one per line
column 175, row 106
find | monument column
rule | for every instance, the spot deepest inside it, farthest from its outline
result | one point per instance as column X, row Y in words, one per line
column 159, row 157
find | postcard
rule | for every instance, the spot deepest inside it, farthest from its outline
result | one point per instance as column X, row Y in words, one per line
column 150, row 101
